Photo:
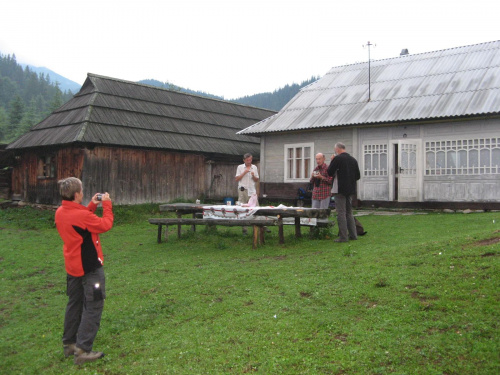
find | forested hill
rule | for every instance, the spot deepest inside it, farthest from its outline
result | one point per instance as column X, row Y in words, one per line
column 26, row 98
column 271, row 100
column 277, row 99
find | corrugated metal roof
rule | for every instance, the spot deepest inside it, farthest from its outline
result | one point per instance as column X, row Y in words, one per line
column 115, row 112
column 462, row 81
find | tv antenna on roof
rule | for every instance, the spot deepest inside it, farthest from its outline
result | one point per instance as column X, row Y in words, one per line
column 368, row 44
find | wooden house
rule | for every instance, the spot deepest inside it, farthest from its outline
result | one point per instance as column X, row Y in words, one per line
column 425, row 129
column 137, row 142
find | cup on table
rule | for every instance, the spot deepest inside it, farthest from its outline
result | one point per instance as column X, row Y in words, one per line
column 238, row 203
column 228, row 203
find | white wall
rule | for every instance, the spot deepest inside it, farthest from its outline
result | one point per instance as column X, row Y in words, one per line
column 456, row 188
column 273, row 154
column 434, row 188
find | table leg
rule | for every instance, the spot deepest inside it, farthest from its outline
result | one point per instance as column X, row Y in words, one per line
column 255, row 236
column 262, row 231
column 159, row 233
column 280, row 230
column 179, row 227
column 297, row 228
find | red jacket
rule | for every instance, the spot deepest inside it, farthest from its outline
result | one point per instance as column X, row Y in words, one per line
column 79, row 229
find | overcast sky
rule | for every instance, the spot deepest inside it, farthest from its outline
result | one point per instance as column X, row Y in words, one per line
column 232, row 48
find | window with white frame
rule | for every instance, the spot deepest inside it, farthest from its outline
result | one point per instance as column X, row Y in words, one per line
column 298, row 161
column 463, row 157
column 375, row 160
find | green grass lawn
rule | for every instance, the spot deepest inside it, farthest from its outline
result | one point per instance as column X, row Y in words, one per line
column 417, row 295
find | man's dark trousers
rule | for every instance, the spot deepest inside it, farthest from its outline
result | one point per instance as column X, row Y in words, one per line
column 345, row 218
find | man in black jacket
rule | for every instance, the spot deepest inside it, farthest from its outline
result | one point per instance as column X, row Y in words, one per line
column 348, row 173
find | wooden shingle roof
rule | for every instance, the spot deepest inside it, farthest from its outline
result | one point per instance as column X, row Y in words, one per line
column 108, row 111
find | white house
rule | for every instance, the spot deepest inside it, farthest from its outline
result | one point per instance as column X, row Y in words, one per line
column 424, row 128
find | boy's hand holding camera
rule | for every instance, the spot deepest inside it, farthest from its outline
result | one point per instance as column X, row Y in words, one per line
column 98, row 197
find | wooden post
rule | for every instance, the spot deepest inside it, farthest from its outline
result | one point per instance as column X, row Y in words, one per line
column 297, row 228
column 255, row 236
column 280, row 230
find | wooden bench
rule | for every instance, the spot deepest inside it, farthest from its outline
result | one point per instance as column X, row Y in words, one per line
column 258, row 226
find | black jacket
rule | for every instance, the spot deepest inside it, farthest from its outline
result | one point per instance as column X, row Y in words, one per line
column 347, row 173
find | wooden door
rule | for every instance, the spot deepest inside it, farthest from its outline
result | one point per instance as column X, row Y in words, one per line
column 409, row 171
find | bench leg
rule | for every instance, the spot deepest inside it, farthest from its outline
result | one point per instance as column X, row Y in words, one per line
column 262, row 231
column 255, row 236
column 179, row 227
column 193, row 227
column 280, row 230
column 298, row 234
column 159, row 233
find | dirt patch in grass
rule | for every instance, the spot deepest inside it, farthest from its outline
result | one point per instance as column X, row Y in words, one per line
column 487, row 242
column 422, row 298
column 342, row 337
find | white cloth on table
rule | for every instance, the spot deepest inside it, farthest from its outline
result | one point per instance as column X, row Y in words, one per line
column 229, row 212
column 239, row 213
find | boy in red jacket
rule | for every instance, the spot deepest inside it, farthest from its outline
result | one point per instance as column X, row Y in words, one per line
column 79, row 229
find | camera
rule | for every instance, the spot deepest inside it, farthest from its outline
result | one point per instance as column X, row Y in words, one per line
column 99, row 197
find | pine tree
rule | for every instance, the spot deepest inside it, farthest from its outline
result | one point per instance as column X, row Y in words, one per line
column 8, row 90
column 57, row 99
column 4, row 124
column 16, row 112
column 29, row 119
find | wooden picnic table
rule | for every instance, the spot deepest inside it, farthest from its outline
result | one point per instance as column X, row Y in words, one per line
column 280, row 212
column 182, row 209
column 295, row 212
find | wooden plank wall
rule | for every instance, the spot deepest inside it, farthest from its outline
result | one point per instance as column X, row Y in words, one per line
column 221, row 182
column 30, row 187
column 131, row 176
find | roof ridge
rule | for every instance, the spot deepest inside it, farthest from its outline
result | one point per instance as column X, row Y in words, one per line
column 415, row 54
column 86, row 120
column 175, row 92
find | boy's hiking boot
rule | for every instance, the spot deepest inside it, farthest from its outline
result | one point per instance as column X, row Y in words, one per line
column 81, row 356
column 69, row 349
